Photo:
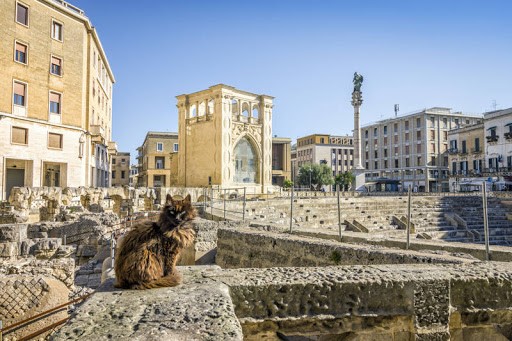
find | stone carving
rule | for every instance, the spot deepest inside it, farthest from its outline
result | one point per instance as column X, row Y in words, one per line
column 240, row 129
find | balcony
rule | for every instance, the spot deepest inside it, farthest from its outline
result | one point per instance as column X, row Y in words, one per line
column 453, row 151
column 476, row 150
column 492, row 138
column 97, row 133
column 112, row 147
column 508, row 135
column 463, row 151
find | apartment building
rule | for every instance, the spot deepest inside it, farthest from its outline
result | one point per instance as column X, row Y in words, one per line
column 498, row 138
column 281, row 160
column 157, row 160
column 336, row 151
column 134, row 173
column 120, row 169
column 412, row 148
column 56, row 103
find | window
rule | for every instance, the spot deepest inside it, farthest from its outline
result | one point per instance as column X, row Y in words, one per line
column 20, row 54
column 56, row 66
column 19, row 93
column 123, row 174
column 407, row 162
column 54, row 140
column 396, row 163
column 376, row 164
column 19, row 135
column 374, row 131
column 113, row 174
column 432, row 134
column 385, row 130
column 395, row 127
column 55, row 103
column 366, row 134
column 406, row 125
column 418, row 161
column 56, row 30
column 477, row 144
column 21, row 14
column 406, row 149
column 322, row 140
column 418, row 135
column 123, row 161
column 406, row 137
column 175, row 147
column 418, row 122
column 418, row 148
column 464, row 150
column 159, row 162
column 159, row 146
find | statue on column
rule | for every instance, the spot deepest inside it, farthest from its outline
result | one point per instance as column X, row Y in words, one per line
column 358, row 81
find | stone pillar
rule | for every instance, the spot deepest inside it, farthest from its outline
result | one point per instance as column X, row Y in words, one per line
column 358, row 169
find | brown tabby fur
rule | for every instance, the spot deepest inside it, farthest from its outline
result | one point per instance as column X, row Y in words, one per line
column 148, row 254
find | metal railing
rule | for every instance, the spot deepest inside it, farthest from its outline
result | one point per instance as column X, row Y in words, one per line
column 26, row 322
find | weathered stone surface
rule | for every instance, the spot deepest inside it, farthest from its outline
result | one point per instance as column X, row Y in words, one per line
column 13, row 232
column 249, row 248
column 61, row 269
column 24, row 296
column 199, row 309
column 8, row 249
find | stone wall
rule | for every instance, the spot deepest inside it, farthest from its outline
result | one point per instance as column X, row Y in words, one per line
column 467, row 301
column 243, row 248
column 437, row 302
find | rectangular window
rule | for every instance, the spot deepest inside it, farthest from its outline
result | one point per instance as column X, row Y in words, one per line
column 418, row 161
column 20, row 54
column 19, row 92
column 406, row 125
column 159, row 162
column 385, row 130
column 464, row 147
column 418, row 122
column 395, row 127
column 406, row 149
column 123, row 161
column 432, row 134
column 123, row 174
column 113, row 174
column 477, row 144
column 418, row 135
column 175, row 147
column 407, row 163
column 56, row 66
column 56, row 30
column 418, row 148
column 22, row 14
column 159, row 146
column 54, row 140
column 19, row 135
column 55, row 104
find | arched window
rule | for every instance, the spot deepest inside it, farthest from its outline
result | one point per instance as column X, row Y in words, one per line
column 202, row 109
column 234, row 107
column 193, row 111
column 255, row 111
column 246, row 162
column 211, row 105
column 245, row 110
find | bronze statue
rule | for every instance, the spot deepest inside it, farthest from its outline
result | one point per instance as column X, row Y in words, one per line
column 358, row 80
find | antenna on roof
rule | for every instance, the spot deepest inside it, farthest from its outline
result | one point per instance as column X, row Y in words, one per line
column 397, row 108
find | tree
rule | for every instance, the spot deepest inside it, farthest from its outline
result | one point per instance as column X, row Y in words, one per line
column 287, row 183
column 314, row 176
column 345, row 180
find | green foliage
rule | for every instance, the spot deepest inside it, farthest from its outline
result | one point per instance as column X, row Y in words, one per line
column 287, row 183
column 315, row 175
column 345, row 180
column 335, row 257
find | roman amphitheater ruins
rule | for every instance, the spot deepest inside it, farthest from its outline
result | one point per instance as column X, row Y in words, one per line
column 260, row 270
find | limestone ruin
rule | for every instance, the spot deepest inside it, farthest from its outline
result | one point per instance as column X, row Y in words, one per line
column 254, row 279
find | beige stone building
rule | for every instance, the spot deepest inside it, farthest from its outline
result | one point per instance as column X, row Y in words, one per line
column 56, row 103
column 412, row 148
column 281, row 160
column 336, row 151
column 225, row 139
column 120, row 169
column 157, row 161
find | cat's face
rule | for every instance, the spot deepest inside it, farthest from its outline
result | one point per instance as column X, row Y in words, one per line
column 179, row 210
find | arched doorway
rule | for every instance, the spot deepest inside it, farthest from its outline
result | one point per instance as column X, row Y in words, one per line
column 246, row 162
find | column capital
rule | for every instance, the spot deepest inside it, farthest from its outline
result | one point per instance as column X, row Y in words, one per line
column 357, row 98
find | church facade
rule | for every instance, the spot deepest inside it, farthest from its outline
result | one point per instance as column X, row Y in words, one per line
column 225, row 139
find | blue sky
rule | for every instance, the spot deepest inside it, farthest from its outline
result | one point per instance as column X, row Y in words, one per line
column 418, row 54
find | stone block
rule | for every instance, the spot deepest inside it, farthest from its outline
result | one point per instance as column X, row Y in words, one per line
column 8, row 249
column 13, row 232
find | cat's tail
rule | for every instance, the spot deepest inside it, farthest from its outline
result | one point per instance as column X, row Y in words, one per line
column 170, row 280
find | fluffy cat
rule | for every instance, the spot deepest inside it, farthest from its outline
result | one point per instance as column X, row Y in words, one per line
column 147, row 255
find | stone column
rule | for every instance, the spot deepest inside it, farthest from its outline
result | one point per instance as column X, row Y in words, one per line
column 357, row 100
column 357, row 170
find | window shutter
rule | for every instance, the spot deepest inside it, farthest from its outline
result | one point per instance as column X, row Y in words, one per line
column 19, row 135
column 54, row 140
column 20, row 47
column 56, row 61
column 54, row 97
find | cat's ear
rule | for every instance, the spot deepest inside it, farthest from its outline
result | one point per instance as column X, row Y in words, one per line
column 188, row 199
column 168, row 199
